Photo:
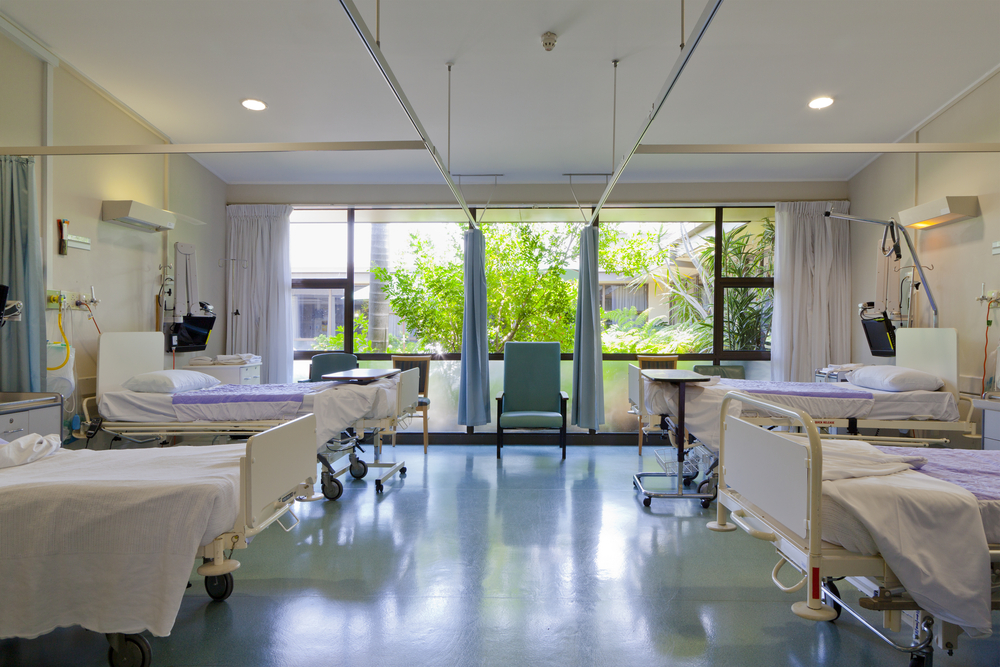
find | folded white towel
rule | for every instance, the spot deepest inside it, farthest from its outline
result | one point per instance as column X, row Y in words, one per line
column 27, row 448
column 201, row 361
column 237, row 359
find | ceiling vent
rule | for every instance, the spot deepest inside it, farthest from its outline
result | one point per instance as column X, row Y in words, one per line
column 137, row 215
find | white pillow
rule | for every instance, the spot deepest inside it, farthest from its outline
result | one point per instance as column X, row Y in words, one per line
column 894, row 378
column 169, row 382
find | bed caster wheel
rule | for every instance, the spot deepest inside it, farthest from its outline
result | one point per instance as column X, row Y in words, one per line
column 703, row 488
column 837, row 608
column 647, row 501
column 378, row 487
column 688, row 480
column 135, row 652
column 402, row 471
column 359, row 469
column 333, row 490
column 219, row 587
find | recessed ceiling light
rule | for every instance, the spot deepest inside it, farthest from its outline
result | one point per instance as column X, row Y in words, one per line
column 821, row 103
column 254, row 105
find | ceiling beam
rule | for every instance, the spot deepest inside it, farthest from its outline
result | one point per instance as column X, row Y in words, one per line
column 682, row 60
column 397, row 90
column 787, row 149
column 171, row 149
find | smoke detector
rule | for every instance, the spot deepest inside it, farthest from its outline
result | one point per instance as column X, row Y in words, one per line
column 549, row 41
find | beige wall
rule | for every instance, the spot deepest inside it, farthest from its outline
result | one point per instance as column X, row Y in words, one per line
column 961, row 252
column 123, row 264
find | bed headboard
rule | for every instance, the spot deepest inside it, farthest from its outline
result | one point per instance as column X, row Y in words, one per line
column 933, row 351
column 122, row 354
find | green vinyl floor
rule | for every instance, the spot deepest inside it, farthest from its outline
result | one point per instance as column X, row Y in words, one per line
column 531, row 560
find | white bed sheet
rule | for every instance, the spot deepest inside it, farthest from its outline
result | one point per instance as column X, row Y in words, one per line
column 704, row 405
column 107, row 539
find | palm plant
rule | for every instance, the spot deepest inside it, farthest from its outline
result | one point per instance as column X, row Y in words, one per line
column 689, row 291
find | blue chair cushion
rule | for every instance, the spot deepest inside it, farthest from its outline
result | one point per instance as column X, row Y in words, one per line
column 531, row 419
column 423, row 401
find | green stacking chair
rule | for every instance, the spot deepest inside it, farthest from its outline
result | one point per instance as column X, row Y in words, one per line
column 531, row 397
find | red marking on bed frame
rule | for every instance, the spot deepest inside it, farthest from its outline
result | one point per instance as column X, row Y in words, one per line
column 816, row 583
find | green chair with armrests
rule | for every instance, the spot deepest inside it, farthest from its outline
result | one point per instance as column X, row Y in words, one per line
column 531, row 398
column 330, row 362
column 731, row 372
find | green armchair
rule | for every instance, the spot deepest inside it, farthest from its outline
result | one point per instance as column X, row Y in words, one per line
column 531, row 397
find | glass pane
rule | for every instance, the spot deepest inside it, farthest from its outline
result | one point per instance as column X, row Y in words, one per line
column 748, row 243
column 318, row 250
column 656, row 281
column 318, row 319
column 408, row 283
column 747, row 323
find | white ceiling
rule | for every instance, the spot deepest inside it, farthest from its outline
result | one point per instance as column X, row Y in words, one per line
column 518, row 110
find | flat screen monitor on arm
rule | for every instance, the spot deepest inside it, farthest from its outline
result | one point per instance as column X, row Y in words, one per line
column 881, row 335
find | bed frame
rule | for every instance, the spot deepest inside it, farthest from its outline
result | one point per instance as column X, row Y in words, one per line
column 122, row 355
column 279, row 465
column 649, row 423
column 771, row 487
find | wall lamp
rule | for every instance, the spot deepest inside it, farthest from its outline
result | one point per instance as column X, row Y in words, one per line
column 940, row 212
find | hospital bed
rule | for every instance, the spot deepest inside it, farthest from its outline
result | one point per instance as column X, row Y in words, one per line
column 106, row 539
column 934, row 574
column 377, row 408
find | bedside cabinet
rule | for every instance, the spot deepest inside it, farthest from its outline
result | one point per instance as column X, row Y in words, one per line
column 991, row 422
column 244, row 374
column 24, row 413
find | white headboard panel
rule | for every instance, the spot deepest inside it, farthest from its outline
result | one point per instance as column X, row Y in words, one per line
column 122, row 354
column 933, row 351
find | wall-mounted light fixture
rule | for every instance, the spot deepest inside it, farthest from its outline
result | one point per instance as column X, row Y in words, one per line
column 940, row 212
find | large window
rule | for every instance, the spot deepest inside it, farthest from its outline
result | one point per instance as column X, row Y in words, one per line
column 690, row 281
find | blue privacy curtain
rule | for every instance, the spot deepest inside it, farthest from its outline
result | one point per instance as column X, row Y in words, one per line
column 474, row 384
column 588, row 372
column 22, row 344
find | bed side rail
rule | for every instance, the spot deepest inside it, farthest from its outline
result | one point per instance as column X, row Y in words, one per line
column 407, row 392
column 636, row 390
column 278, row 462
column 781, row 478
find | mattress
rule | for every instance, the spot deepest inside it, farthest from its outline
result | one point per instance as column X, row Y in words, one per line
column 977, row 471
column 840, row 400
column 106, row 539
column 337, row 406
column 133, row 406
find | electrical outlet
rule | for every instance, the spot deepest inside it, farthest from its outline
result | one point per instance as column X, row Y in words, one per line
column 74, row 301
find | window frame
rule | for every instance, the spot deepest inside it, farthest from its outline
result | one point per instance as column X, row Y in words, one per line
column 721, row 283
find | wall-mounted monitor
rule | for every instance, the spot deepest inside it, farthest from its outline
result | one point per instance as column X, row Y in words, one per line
column 189, row 335
column 881, row 336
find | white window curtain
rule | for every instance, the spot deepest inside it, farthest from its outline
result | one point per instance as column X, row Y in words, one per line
column 812, row 318
column 259, row 317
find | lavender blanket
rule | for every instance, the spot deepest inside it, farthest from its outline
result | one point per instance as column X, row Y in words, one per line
column 243, row 402
column 974, row 470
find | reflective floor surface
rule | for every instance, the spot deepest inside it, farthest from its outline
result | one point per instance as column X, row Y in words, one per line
column 526, row 561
